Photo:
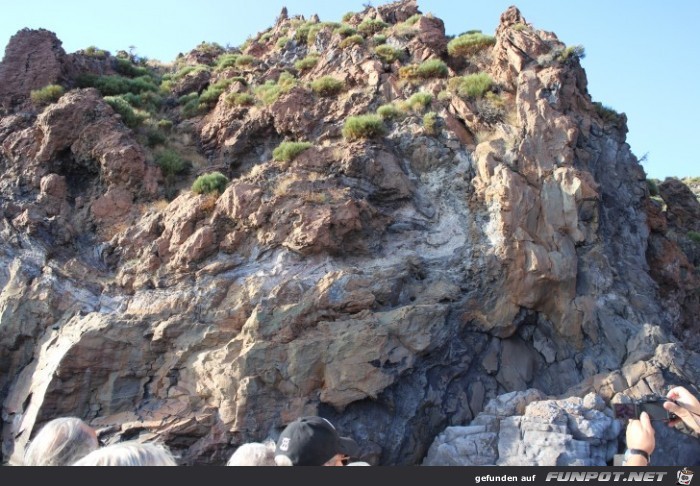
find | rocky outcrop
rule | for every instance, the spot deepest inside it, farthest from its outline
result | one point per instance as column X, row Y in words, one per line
column 397, row 285
column 33, row 59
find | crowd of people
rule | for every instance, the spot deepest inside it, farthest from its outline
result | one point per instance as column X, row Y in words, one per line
column 307, row 441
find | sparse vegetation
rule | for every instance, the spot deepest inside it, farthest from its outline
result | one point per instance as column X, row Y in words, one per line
column 432, row 68
column 572, row 52
column 127, row 68
column 225, row 61
column 388, row 54
column 211, row 95
column 472, row 85
column 347, row 16
column 191, row 70
column 131, row 118
column 327, row 86
column 287, row 151
column 694, row 236
column 171, row 163
column 418, row 102
column 371, row 26
column 93, row 51
column 430, row 123
column 379, row 39
column 363, row 126
column 345, row 31
column 116, row 85
column 607, row 114
column 491, row 108
column 307, row 63
column 469, row 44
column 240, row 99
column 388, row 111
column 353, row 40
column 653, row 187
column 46, row 95
column 282, row 42
column 210, row 183
column 244, row 61
column 269, row 92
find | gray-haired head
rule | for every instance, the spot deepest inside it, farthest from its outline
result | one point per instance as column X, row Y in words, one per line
column 61, row 442
column 129, row 454
column 254, row 454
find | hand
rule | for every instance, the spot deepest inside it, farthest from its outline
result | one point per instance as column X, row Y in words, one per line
column 686, row 408
column 640, row 434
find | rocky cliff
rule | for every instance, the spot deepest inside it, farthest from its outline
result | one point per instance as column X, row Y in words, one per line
column 403, row 280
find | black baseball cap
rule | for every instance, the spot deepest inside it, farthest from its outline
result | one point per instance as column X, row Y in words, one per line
column 313, row 441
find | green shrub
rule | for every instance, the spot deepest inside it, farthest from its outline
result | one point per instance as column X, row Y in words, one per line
column 469, row 44
column 471, row 86
column 190, row 70
column 165, row 125
column 46, row 95
column 244, row 60
column 694, row 235
column 345, row 31
column 572, row 52
column 127, row 68
column 116, row 85
column 287, row 151
column 653, row 187
column 240, row 99
column 211, row 95
column 125, row 110
column 226, row 61
column 171, row 163
column 418, row 102
column 388, row 111
column 388, row 54
column 363, row 126
column 210, row 183
column 282, row 42
column 302, row 33
column 413, row 19
column 93, row 51
column 347, row 16
column 432, row 68
column 430, row 123
column 379, row 40
column 353, row 40
column 404, row 31
column 327, row 86
column 607, row 114
column 191, row 105
column 307, row 63
column 154, row 137
column 371, row 26
column 271, row 91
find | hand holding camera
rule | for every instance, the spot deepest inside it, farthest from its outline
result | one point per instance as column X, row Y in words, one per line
column 684, row 407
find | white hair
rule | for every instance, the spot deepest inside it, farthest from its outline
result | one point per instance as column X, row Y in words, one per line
column 254, row 454
column 61, row 442
column 129, row 454
column 282, row 460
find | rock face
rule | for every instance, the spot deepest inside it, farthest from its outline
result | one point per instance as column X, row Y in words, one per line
column 502, row 276
column 33, row 59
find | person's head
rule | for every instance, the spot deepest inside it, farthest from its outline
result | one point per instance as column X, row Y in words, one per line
column 129, row 454
column 313, row 441
column 61, row 442
column 254, row 454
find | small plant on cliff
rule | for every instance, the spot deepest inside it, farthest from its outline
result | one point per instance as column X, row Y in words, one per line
column 371, row 26
column 226, row 61
column 388, row 111
column 171, row 163
column 430, row 123
column 287, row 151
column 327, row 86
column 389, row 54
column 245, row 60
column 127, row 68
column 210, row 183
column 282, row 42
column 47, row 94
column 271, row 91
column 363, row 126
column 607, row 114
column 572, row 52
column 93, row 51
column 694, row 235
column 432, row 68
column 345, row 31
column 353, row 40
column 211, row 95
column 469, row 44
column 307, row 63
column 472, row 85
column 418, row 102
column 131, row 118
column 653, row 187
column 240, row 99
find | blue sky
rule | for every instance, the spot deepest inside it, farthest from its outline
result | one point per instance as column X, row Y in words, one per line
column 641, row 55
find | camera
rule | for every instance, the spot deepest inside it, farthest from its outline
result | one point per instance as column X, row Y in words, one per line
column 653, row 405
